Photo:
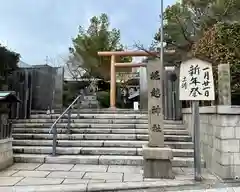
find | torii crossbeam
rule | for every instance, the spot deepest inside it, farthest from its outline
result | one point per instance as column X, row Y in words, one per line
column 113, row 55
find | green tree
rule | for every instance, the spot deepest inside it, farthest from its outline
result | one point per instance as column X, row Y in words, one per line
column 208, row 30
column 97, row 37
column 221, row 44
column 8, row 63
column 186, row 22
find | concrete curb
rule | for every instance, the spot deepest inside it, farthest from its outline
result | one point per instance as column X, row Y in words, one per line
column 97, row 187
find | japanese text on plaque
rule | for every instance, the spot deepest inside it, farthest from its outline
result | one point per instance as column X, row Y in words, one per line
column 196, row 81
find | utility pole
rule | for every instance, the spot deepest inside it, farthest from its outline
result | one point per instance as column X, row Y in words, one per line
column 46, row 60
column 161, row 33
column 161, row 57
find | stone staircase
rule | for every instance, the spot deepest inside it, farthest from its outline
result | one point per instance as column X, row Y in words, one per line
column 89, row 101
column 96, row 137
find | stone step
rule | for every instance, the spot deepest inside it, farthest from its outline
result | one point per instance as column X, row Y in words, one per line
column 109, row 111
column 96, row 159
column 99, row 137
column 86, row 125
column 99, row 143
column 89, row 121
column 101, row 116
column 96, row 111
column 103, row 121
column 92, row 116
column 93, row 151
column 98, row 131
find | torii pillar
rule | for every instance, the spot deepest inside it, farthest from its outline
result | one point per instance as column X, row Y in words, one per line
column 113, row 55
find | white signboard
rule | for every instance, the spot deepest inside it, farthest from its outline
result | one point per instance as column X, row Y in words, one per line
column 196, row 81
column 135, row 106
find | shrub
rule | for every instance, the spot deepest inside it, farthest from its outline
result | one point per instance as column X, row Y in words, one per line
column 103, row 98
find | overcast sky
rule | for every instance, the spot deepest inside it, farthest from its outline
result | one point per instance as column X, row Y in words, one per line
column 40, row 28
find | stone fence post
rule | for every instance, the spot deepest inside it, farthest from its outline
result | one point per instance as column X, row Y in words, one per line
column 224, row 84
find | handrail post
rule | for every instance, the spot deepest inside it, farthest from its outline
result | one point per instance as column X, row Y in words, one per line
column 69, row 119
column 53, row 129
column 54, row 146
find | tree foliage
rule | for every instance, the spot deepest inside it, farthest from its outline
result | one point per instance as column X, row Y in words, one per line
column 208, row 30
column 221, row 44
column 186, row 22
column 8, row 63
column 97, row 37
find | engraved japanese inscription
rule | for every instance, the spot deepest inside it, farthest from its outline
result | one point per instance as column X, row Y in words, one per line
column 155, row 97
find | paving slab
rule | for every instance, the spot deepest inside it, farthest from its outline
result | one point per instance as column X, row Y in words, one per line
column 46, row 188
column 66, row 177
column 111, row 181
column 234, row 189
column 25, row 166
column 117, row 187
column 162, row 182
column 124, row 169
column 66, row 174
column 226, row 189
column 175, row 182
column 39, row 181
column 31, row 174
column 105, row 176
column 132, row 177
column 9, row 181
column 7, row 172
column 83, row 181
column 90, row 168
column 55, row 167
column 120, row 186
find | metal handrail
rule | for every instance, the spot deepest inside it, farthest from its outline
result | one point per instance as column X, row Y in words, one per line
column 53, row 128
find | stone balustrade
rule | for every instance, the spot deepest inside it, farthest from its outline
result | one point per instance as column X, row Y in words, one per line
column 220, row 138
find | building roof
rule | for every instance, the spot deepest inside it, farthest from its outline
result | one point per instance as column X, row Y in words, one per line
column 22, row 64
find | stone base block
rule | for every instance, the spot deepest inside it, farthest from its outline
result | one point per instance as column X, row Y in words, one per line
column 6, row 153
column 157, row 168
column 157, row 162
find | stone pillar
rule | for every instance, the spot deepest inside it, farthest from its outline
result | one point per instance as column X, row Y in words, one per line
column 157, row 156
column 224, row 84
column 143, row 88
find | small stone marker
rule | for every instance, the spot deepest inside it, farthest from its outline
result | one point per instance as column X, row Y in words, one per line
column 157, row 157
column 224, row 84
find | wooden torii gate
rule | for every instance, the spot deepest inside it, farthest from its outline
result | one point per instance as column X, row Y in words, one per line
column 113, row 55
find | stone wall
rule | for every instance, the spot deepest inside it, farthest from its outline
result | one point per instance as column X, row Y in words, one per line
column 6, row 153
column 220, row 138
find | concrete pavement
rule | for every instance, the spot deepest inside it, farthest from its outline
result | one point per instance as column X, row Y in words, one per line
column 223, row 189
column 26, row 177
